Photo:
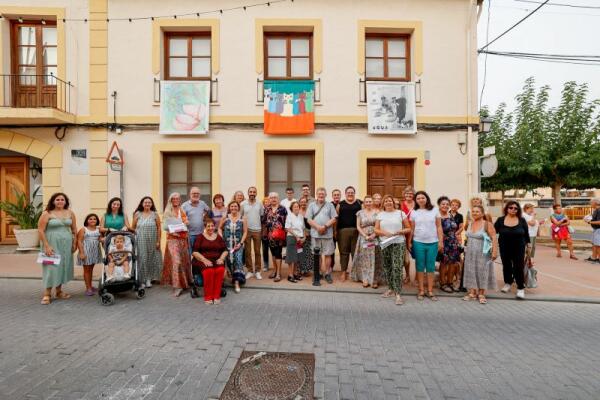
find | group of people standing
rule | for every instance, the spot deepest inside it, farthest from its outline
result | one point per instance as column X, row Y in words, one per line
column 380, row 234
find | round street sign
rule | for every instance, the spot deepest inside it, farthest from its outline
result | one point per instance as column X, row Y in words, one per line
column 488, row 166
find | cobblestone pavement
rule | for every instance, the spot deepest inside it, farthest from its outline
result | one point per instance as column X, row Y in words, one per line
column 365, row 346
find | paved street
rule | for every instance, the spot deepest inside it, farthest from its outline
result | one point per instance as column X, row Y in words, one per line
column 365, row 347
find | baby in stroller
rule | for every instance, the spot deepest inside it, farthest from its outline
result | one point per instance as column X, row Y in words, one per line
column 118, row 258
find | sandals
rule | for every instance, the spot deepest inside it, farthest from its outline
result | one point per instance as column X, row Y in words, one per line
column 45, row 300
column 482, row 299
column 432, row 296
column 298, row 277
column 273, row 275
column 447, row 289
column 399, row 300
column 375, row 285
column 387, row 294
column 421, row 296
column 572, row 257
column 365, row 284
column 292, row 279
column 208, row 302
column 62, row 295
column 217, row 302
column 406, row 280
column 277, row 278
column 469, row 297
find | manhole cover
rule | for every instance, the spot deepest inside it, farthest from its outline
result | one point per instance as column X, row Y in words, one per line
column 273, row 376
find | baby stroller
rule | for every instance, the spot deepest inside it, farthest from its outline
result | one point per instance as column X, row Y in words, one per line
column 106, row 290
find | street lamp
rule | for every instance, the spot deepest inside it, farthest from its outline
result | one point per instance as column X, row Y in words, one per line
column 485, row 124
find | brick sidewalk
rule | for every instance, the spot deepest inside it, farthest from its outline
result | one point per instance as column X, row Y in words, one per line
column 558, row 278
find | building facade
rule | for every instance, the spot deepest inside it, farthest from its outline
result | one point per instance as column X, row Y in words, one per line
column 78, row 75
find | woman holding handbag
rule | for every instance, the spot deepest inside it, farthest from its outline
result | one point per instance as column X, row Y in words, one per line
column 513, row 238
column 294, row 226
column 275, row 216
column 480, row 252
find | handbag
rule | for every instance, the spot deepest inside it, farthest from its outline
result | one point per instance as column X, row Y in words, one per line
column 278, row 234
column 532, row 278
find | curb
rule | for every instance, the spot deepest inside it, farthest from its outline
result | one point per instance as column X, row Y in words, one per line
column 541, row 298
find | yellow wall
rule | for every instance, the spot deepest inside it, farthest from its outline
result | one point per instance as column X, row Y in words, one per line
column 291, row 145
column 98, row 138
column 50, row 155
column 173, row 147
column 417, row 155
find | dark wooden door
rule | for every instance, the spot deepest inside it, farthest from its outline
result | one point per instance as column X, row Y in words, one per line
column 389, row 176
column 13, row 179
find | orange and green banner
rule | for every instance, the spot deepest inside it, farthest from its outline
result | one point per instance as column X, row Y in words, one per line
column 289, row 107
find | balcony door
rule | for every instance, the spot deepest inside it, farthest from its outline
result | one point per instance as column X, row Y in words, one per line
column 34, row 64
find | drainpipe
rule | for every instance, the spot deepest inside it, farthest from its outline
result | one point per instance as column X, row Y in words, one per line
column 470, row 98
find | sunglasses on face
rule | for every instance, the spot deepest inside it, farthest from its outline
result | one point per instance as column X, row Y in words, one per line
column 513, row 208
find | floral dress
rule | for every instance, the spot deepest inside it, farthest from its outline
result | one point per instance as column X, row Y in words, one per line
column 232, row 234
column 363, row 266
column 451, row 253
column 177, row 268
column 274, row 220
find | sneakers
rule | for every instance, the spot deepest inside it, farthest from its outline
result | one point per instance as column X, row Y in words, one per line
column 328, row 278
column 148, row 283
column 249, row 275
column 521, row 294
column 127, row 276
column 258, row 276
column 506, row 288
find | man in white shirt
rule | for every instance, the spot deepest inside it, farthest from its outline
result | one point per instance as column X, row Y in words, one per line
column 253, row 211
column 289, row 193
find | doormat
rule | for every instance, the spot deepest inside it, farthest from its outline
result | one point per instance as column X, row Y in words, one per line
column 260, row 375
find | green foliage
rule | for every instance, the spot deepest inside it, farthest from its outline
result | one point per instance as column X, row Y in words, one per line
column 22, row 212
column 538, row 146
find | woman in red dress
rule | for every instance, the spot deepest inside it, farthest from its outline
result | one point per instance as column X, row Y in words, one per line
column 209, row 255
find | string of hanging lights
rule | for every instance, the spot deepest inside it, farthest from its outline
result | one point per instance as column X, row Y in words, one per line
column 173, row 16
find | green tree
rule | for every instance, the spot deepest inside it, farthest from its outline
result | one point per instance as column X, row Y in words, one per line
column 538, row 146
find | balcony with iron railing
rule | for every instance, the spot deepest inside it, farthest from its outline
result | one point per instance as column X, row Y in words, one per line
column 35, row 100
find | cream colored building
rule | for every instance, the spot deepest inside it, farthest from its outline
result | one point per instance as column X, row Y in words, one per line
column 102, row 63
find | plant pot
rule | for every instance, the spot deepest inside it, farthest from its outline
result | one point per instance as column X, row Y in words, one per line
column 28, row 239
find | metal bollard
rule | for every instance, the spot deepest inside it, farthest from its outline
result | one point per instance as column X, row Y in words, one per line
column 317, row 266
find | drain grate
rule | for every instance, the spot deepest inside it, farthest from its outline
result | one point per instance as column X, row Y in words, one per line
column 274, row 376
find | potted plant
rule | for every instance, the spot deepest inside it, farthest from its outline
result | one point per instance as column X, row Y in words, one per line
column 25, row 215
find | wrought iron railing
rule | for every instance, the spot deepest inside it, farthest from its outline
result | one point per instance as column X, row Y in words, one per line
column 35, row 91
column 260, row 90
column 214, row 90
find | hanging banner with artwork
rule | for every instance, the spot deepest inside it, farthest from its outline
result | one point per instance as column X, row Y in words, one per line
column 184, row 107
column 392, row 107
column 288, row 107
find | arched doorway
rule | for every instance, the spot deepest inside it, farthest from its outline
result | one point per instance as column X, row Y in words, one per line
column 16, row 173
